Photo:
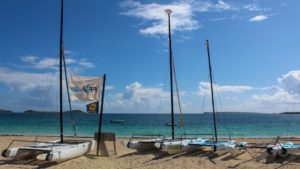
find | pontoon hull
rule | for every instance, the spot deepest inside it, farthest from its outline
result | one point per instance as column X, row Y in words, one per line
column 142, row 145
column 50, row 151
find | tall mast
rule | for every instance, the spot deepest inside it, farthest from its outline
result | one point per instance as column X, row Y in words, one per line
column 168, row 11
column 61, row 55
column 212, row 92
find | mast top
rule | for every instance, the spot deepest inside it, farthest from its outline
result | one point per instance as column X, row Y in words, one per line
column 206, row 43
column 168, row 11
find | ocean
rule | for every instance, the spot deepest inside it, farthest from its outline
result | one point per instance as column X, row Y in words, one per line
column 228, row 124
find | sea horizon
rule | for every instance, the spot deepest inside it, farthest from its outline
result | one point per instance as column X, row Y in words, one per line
column 233, row 125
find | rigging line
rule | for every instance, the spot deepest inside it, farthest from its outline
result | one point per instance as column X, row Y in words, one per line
column 41, row 118
column 222, row 116
column 221, row 107
column 178, row 97
column 163, row 86
column 203, row 104
column 68, row 92
column 204, row 97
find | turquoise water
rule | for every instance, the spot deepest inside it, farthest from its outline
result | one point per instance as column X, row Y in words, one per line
column 229, row 124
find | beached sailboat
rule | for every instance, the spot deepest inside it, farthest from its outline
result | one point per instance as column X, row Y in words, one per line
column 156, row 141
column 174, row 145
column 59, row 150
column 274, row 149
column 215, row 144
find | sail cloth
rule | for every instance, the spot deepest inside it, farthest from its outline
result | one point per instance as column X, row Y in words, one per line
column 84, row 88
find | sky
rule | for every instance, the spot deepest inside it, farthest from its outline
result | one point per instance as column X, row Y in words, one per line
column 254, row 47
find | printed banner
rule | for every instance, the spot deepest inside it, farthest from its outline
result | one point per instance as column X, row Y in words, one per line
column 84, row 88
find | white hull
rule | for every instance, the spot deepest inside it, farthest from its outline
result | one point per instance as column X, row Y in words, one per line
column 219, row 148
column 176, row 146
column 282, row 150
column 144, row 145
column 50, row 151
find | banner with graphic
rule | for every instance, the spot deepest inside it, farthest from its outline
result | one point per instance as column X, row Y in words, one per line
column 92, row 107
column 85, row 88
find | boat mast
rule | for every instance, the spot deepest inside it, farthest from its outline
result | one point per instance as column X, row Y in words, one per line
column 101, row 114
column 61, row 53
column 168, row 11
column 212, row 93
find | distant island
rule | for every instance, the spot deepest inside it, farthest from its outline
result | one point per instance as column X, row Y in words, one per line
column 51, row 112
column 290, row 113
column 232, row 112
column 5, row 111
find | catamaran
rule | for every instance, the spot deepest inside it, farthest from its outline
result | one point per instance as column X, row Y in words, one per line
column 158, row 141
column 214, row 144
column 174, row 145
column 274, row 149
column 59, row 150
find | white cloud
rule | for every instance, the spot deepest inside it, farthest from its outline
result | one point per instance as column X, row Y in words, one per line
column 258, row 18
column 86, row 64
column 252, row 7
column 290, row 82
column 204, row 88
column 255, row 8
column 277, row 96
column 24, row 81
column 282, row 97
column 287, row 91
column 138, row 98
column 109, row 87
column 29, row 59
column 183, row 17
column 47, row 63
column 223, row 5
column 53, row 63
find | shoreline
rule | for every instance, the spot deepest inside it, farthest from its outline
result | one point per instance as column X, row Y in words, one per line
column 130, row 159
column 128, row 137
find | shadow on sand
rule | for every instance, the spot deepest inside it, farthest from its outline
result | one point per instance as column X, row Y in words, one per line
column 163, row 157
column 291, row 159
column 34, row 163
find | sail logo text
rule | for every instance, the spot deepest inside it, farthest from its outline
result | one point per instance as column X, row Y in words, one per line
column 87, row 89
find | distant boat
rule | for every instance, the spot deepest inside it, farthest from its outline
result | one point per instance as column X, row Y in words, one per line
column 116, row 121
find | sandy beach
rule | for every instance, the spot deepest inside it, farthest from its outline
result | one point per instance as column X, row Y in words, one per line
column 129, row 159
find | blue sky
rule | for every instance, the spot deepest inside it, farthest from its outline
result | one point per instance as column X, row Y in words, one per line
column 254, row 50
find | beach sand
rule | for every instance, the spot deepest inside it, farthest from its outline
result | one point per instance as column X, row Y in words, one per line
column 129, row 159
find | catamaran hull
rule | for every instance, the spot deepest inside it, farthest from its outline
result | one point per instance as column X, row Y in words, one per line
column 174, row 147
column 26, row 152
column 282, row 150
column 171, row 148
column 219, row 148
column 68, row 152
column 141, row 146
column 10, row 152
column 51, row 151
